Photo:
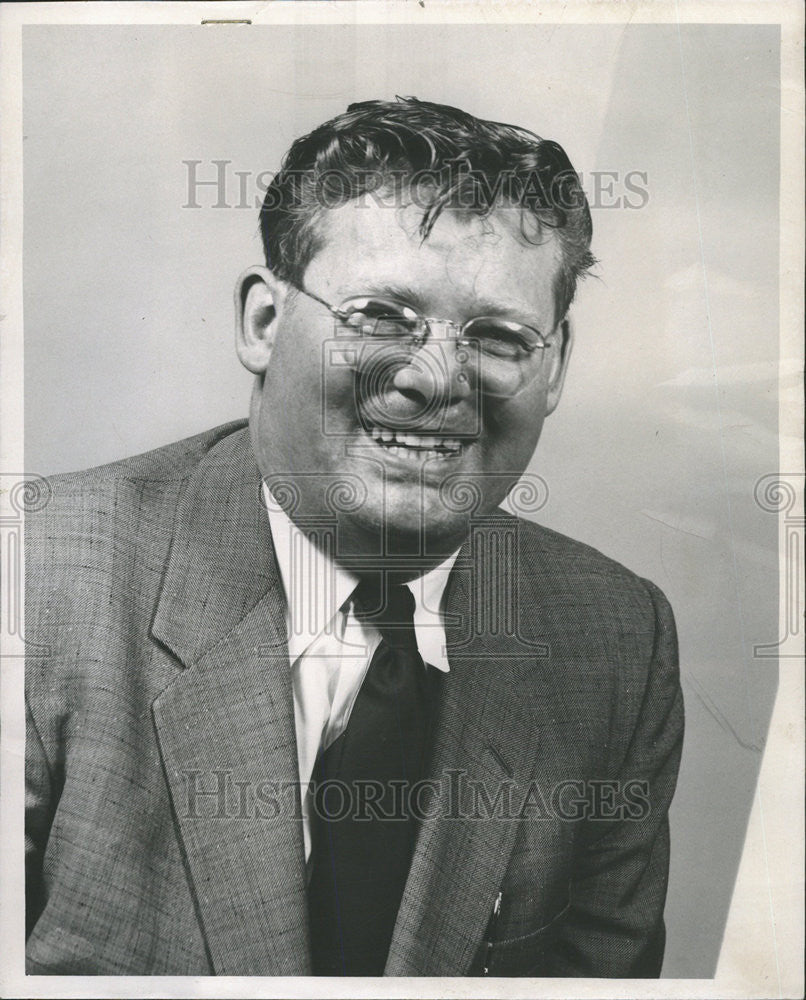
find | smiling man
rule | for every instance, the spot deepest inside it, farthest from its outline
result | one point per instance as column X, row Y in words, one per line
column 408, row 407
column 307, row 700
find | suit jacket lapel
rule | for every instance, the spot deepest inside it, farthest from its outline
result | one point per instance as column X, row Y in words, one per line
column 225, row 724
column 487, row 744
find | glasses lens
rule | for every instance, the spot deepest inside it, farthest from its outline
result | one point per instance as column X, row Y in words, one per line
column 378, row 318
column 501, row 339
column 507, row 355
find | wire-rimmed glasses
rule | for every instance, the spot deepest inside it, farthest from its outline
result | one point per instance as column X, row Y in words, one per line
column 503, row 356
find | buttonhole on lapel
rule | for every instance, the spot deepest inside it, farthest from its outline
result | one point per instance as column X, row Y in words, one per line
column 500, row 760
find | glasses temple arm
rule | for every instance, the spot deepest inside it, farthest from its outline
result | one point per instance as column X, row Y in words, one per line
column 338, row 313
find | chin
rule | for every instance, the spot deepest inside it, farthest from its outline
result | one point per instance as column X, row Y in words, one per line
column 415, row 527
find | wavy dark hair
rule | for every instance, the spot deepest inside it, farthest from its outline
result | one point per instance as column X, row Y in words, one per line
column 442, row 158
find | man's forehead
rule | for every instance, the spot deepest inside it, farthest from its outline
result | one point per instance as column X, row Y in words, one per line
column 369, row 241
column 375, row 222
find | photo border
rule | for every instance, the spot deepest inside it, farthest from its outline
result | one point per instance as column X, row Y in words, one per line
column 767, row 905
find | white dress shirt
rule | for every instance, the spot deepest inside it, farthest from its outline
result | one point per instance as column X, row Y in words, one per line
column 329, row 649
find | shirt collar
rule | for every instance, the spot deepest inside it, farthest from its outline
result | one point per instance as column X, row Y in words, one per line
column 316, row 588
column 429, row 613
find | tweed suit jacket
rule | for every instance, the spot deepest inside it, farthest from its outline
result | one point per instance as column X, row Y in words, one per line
column 163, row 831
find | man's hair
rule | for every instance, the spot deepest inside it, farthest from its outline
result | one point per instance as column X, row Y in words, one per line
column 437, row 156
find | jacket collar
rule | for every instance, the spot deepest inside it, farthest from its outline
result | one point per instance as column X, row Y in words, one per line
column 221, row 561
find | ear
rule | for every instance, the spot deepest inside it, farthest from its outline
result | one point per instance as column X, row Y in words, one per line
column 259, row 299
column 562, row 340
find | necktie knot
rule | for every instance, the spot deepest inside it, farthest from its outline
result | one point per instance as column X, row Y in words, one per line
column 389, row 608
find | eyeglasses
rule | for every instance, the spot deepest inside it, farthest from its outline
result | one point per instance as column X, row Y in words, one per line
column 503, row 356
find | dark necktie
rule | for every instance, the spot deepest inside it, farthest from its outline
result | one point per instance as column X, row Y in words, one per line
column 362, row 832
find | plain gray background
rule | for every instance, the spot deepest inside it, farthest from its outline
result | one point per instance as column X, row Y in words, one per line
column 669, row 416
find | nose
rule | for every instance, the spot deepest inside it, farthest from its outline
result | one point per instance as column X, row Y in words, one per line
column 438, row 372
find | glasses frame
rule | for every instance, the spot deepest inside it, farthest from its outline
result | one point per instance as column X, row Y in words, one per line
column 417, row 340
column 428, row 321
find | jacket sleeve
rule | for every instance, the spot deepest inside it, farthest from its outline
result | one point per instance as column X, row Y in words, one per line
column 614, row 927
column 38, row 815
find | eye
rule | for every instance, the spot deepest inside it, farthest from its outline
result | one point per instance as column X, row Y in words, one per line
column 371, row 317
column 503, row 339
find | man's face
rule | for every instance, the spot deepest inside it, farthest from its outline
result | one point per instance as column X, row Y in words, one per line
column 405, row 435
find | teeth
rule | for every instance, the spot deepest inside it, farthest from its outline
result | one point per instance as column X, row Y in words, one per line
column 423, row 442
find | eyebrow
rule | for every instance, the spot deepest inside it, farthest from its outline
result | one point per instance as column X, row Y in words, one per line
column 390, row 290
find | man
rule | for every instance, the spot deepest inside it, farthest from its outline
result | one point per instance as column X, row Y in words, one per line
column 304, row 699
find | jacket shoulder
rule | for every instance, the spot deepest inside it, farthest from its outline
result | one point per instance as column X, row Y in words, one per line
column 575, row 555
column 113, row 520
column 571, row 574
column 169, row 462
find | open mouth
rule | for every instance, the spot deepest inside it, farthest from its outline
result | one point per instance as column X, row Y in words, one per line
column 406, row 443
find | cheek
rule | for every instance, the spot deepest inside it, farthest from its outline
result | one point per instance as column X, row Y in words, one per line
column 310, row 399
column 296, row 360
column 298, row 371
column 513, row 428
